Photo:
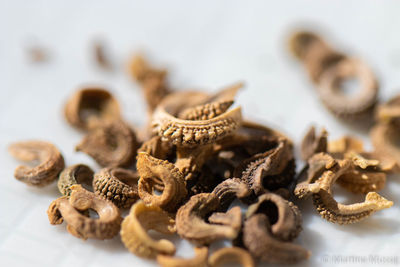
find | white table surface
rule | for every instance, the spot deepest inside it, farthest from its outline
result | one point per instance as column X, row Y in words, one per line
column 205, row 44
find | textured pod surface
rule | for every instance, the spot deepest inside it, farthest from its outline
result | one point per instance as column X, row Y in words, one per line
column 191, row 220
column 229, row 190
column 319, row 185
column 199, row 260
column 51, row 162
column 111, row 144
column 89, row 107
column 313, row 143
column 231, row 255
column 75, row 174
column 284, row 216
column 118, row 185
column 259, row 241
column 385, row 138
column 174, row 186
column 79, row 225
column 206, row 111
column 134, row 229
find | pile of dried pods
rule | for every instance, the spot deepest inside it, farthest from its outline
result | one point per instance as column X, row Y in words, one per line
column 197, row 156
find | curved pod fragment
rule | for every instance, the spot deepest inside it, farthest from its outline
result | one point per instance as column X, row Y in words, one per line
column 75, row 174
column 199, row 260
column 227, row 255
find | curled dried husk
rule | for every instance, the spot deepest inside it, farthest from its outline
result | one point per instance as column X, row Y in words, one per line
column 51, row 162
column 153, row 81
column 191, row 220
column 70, row 209
column 89, row 107
column 152, row 171
column 385, row 138
column 206, row 111
column 118, row 185
column 313, row 143
column 231, row 255
column 141, row 219
column 389, row 112
column 260, row 242
column 199, row 260
column 157, row 148
column 229, row 190
column 111, row 144
column 284, row 216
column 75, row 174
column 323, row 172
column 347, row 106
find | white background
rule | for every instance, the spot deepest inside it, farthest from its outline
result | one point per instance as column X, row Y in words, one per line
column 205, row 45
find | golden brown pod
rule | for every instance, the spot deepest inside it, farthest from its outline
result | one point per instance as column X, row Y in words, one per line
column 111, row 144
column 141, row 219
column 313, row 143
column 75, row 174
column 385, row 137
column 70, row 209
column 389, row 112
column 151, row 172
column 231, row 255
column 191, row 220
column 89, row 107
column 118, row 185
column 51, row 162
column 199, row 260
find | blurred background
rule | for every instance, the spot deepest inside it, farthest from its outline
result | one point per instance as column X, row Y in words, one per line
column 205, row 45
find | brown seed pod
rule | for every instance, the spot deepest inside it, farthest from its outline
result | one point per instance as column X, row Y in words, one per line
column 341, row 104
column 229, row 190
column 118, row 185
column 199, row 260
column 384, row 137
column 313, row 144
column 231, row 255
column 191, row 220
column 51, row 162
column 322, row 174
column 284, row 216
column 389, row 112
column 206, row 111
column 75, row 174
column 89, row 107
column 174, row 186
column 134, row 229
column 111, row 144
column 156, row 148
column 79, row 225
column 260, row 242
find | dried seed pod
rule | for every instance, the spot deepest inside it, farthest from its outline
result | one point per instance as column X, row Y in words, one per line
column 270, row 170
column 345, row 144
column 384, row 138
column 347, row 106
column 284, row 216
column 118, row 185
column 261, row 243
column 389, row 112
column 134, row 229
column 51, row 162
column 319, row 185
column 155, row 147
column 206, row 111
column 75, row 174
column 79, row 225
column 111, row 144
column 89, row 107
column 174, row 187
column 231, row 255
column 199, row 260
column 191, row 220
column 229, row 190
column 153, row 81
column 313, row 144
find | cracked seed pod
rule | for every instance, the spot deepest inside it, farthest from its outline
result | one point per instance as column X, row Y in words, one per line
column 118, row 185
column 174, row 186
column 89, row 107
column 341, row 104
column 153, row 81
column 79, row 225
column 111, row 144
column 270, row 170
column 51, row 162
column 75, row 174
column 141, row 219
column 199, row 260
column 284, row 216
column 389, row 112
column 260, row 242
column 231, row 255
column 321, row 177
column 384, row 138
column 191, row 220
column 229, row 190
column 313, row 144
